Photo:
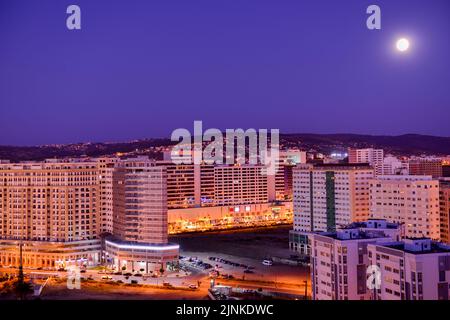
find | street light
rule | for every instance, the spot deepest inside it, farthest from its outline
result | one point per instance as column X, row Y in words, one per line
column 306, row 288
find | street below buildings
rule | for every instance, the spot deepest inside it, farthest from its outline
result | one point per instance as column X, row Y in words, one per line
column 234, row 257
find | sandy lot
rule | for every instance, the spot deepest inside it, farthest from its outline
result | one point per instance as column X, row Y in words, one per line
column 57, row 290
column 249, row 247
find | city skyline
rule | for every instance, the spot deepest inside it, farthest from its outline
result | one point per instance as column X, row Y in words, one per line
column 143, row 71
column 239, row 153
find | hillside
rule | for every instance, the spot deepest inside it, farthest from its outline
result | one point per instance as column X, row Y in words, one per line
column 408, row 144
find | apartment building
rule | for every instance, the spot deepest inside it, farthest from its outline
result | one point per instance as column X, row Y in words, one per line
column 202, row 196
column 192, row 185
column 411, row 200
column 394, row 166
column 106, row 167
column 139, row 240
column 374, row 157
column 426, row 167
column 444, row 206
column 239, row 184
column 84, row 212
column 280, row 185
column 52, row 209
column 339, row 259
column 413, row 269
column 327, row 196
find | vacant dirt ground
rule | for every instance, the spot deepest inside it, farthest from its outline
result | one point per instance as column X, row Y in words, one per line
column 57, row 290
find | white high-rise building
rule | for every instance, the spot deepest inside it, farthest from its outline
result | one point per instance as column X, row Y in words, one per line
column 412, row 200
column 292, row 156
column 393, row 166
column 328, row 196
column 374, row 157
column 139, row 240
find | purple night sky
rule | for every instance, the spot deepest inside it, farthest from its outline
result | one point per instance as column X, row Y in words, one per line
column 141, row 69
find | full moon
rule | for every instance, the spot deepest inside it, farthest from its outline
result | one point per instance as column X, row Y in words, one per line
column 402, row 44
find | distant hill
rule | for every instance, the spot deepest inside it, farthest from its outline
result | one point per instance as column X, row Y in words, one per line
column 408, row 144
column 15, row 153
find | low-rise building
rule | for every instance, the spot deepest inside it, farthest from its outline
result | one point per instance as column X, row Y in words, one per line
column 339, row 259
column 413, row 269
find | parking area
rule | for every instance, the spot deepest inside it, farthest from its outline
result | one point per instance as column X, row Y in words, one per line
column 240, row 255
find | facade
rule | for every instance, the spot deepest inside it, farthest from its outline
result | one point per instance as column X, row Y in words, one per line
column 139, row 239
column 414, row 269
column 288, row 180
column 444, row 205
column 329, row 196
column 426, row 167
column 374, row 157
column 195, row 185
column 189, row 185
column 205, row 197
column 446, row 170
column 339, row 259
column 226, row 217
column 53, row 209
column 411, row 200
column 239, row 184
column 106, row 168
column 288, row 159
column 61, row 211
column 395, row 166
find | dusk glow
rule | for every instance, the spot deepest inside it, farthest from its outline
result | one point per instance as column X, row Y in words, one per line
column 142, row 70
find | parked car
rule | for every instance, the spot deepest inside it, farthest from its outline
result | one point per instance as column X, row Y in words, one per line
column 106, row 278
column 193, row 286
column 267, row 262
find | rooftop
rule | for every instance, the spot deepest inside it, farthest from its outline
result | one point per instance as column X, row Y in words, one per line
column 353, row 234
column 372, row 224
column 418, row 246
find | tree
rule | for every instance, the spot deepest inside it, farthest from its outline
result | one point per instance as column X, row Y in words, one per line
column 20, row 287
